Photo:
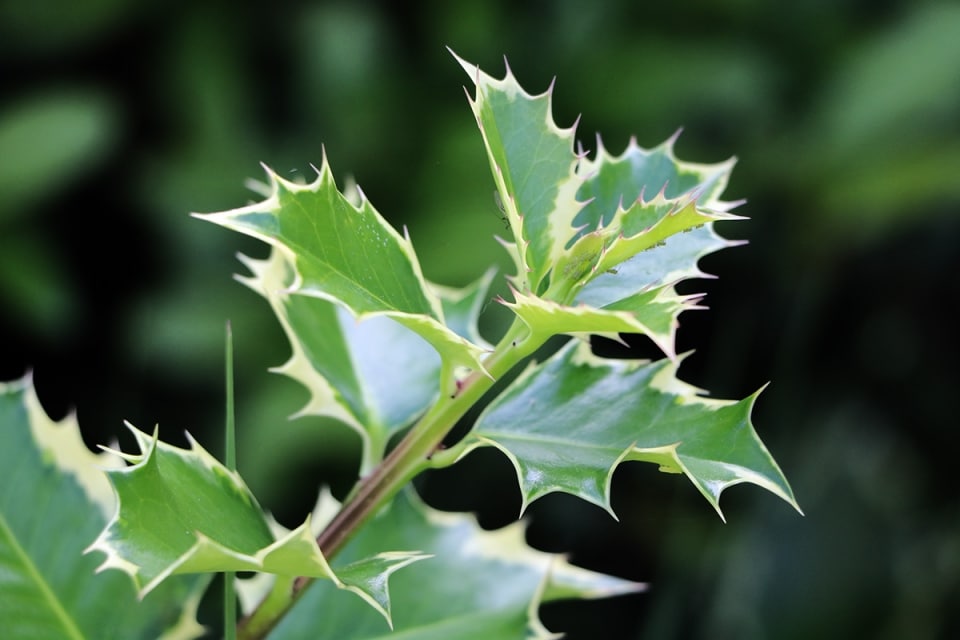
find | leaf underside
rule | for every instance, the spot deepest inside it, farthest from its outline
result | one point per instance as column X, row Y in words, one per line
column 374, row 374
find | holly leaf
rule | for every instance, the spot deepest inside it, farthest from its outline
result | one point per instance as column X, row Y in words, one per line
column 576, row 221
column 342, row 250
column 652, row 313
column 54, row 498
column 534, row 169
column 614, row 182
column 181, row 511
column 637, row 296
column 636, row 201
column 662, row 265
column 375, row 374
column 566, row 425
column 478, row 584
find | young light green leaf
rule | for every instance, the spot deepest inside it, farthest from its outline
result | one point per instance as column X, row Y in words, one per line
column 54, row 498
column 644, row 226
column 347, row 253
column 627, row 238
column 613, row 182
column 181, row 511
column 635, row 297
column 637, row 201
column 673, row 261
column 478, row 584
column 652, row 313
column 374, row 374
column 568, row 423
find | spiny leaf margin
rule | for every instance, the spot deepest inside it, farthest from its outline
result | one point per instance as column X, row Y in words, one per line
column 51, row 482
column 342, row 250
column 533, row 166
column 375, row 375
column 181, row 511
column 478, row 584
column 341, row 362
column 576, row 219
column 568, row 423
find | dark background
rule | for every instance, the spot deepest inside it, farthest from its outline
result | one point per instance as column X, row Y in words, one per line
column 118, row 118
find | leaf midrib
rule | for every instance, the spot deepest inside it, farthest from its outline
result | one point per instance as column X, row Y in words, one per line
column 59, row 612
column 550, row 440
column 434, row 625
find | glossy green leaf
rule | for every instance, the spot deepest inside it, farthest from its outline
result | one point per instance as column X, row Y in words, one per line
column 533, row 167
column 651, row 313
column 637, row 296
column 643, row 226
column 478, row 584
column 568, row 423
column 54, row 498
column 373, row 374
column 665, row 264
column 577, row 220
column 344, row 251
column 636, row 202
column 614, row 182
column 553, row 196
column 181, row 511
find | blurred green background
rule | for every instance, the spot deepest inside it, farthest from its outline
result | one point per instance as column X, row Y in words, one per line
column 118, row 118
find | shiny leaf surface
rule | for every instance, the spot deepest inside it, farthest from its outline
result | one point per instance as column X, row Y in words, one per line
column 181, row 511
column 54, row 498
column 344, row 251
column 478, row 584
column 568, row 423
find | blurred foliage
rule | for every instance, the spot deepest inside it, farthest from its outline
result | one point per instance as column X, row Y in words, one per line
column 118, row 118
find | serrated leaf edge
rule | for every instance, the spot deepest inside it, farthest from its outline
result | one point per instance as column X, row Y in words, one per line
column 324, row 399
column 664, row 380
column 63, row 444
column 453, row 349
column 721, row 170
column 313, row 565
column 620, row 321
column 187, row 627
column 377, row 595
column 565, row 205
column 509, row 543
